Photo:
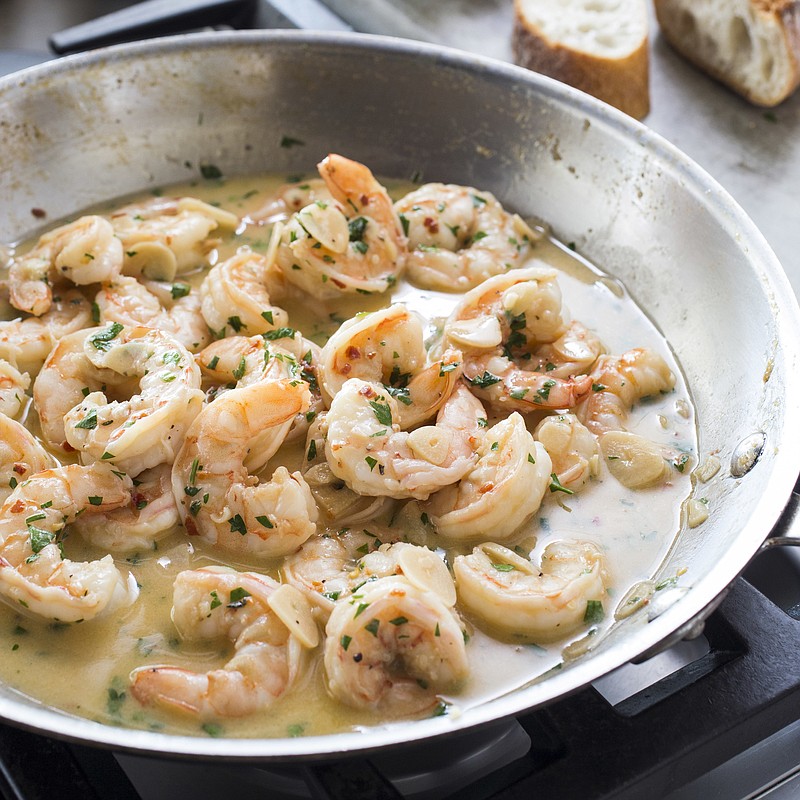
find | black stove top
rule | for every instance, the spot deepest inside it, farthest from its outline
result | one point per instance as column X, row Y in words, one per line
column 671, row 739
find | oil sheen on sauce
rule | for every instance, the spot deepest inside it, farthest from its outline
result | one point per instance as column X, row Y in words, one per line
column 83, row 668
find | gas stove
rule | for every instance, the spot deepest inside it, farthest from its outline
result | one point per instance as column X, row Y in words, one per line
column 714, row 717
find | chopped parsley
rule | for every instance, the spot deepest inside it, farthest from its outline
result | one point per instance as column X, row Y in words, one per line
column 102, row 340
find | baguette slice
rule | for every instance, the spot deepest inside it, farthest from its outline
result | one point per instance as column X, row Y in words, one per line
column 753, row 46
column 598, row 46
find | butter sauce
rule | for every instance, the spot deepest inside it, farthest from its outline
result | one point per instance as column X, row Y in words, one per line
column 83, row 668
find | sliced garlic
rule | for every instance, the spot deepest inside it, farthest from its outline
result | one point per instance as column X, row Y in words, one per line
column 223, row 218
column 638, row 596
column 294, row 611
column 502, row 555
column 431, row 443
column 325, row 223
column 518, row 298
column 708, row 469
column 696, row 512
column 634, row 461
column 272, row 246
column 521, row 228
column 153, row 260
column 425, row 570
column 482, row 333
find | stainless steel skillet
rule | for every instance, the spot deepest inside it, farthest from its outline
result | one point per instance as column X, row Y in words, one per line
column 96, row 126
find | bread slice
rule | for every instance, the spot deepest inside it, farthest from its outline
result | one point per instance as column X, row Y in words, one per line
column 599, row 46
column 753, row 46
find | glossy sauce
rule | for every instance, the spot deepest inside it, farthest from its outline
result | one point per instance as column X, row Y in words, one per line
column 83, row 668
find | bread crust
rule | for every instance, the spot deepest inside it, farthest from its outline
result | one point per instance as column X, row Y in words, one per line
column 622, row 82
column 785, row 13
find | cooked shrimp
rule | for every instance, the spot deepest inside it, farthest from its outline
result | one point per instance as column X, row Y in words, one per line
column 501, row 492
column 387, row 347
column 150, row 515
column 13, row 387
column 354, row 244
column 129, row 302
column 217, row 498
column 240, row 361
column 169, row 236
column 27, row 342
column 220, row 603
column 520, row 309
column 157, row 374
column 393, row 648
column 289, row 198
column 339, row 505
column 458, row 236
column 368, row 451
column 34, row 575
column 571, row 447
column 525, row 602
column 335, row 565
column 85, row 251
column 235, row 297
column 618, row 382
column 499, row 325
column 21, row 455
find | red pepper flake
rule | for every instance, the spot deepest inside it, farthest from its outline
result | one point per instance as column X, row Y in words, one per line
column 353, row 352
column 39, row 213
column 431, row 224
column 20, row 469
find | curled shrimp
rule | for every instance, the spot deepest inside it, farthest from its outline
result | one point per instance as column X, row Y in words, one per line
column 150, row 515
column 354, row 244
column 332, row 567
column 131, row 303
column 394, row 647
column 459, row 236
column 387, row 347
column 235, row 296
column 158, row 375
column 368, row 451
column 501, row 492
column 572, row 448
column 339, row 505
column 618, row 382
column 21, row 455
column 498, row 325
column 83, row 252
column 217, row 498
column 525, row 602
column 35, row 577
column 13, row 387
column 169, row 236
column 240, row 607
column 27, row 342
column 281, row 354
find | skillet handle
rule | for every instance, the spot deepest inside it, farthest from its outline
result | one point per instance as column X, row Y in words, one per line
column 164, row 17
column 152, row 18
column 787, row 531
